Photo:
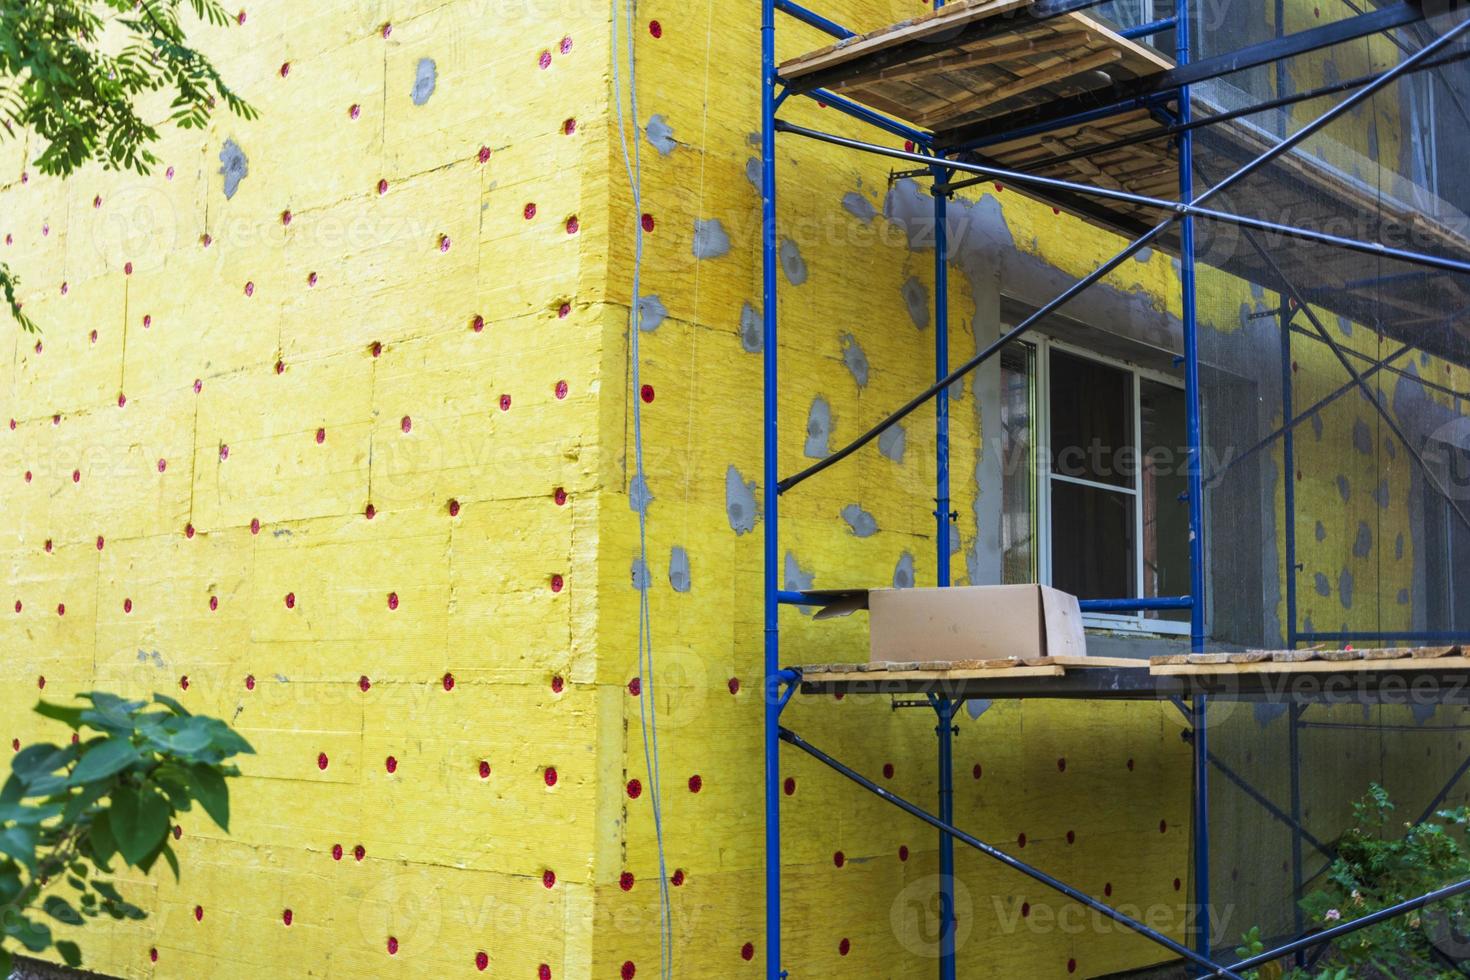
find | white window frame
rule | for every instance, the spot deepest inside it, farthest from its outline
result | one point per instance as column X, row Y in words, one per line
column 1125, row 622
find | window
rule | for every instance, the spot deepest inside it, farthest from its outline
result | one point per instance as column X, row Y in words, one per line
column 1093, row 506
column 1446, row 538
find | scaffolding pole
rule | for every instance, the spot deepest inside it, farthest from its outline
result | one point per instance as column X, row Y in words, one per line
column 1152, row 93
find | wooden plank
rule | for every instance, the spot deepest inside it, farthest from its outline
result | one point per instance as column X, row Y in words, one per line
column 1058, row 70
column 1388, row 653
column 968, row 58
column 1430, row 653
column 948, row 18
column 1279, row 668
column 971, row 674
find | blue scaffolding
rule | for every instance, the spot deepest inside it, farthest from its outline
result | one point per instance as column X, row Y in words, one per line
column 953, row 161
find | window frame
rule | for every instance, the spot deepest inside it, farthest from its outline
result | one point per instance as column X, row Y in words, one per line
column 1043, row 346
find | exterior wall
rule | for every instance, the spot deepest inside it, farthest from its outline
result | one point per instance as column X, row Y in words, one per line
column 298, row 402
column 367, row 385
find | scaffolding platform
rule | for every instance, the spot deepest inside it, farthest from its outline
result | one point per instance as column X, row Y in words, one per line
column 916, row 72
column 975, row 73
column 1440, row 674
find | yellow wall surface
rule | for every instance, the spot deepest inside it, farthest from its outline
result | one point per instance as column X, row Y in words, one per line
column 345, row 457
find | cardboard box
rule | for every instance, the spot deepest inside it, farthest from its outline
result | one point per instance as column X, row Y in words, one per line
column 975, row 622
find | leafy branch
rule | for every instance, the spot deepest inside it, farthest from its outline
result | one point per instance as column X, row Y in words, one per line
column 68, row 812
column 78, row 96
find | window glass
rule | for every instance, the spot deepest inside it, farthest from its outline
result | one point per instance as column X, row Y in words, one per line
column 1092, row 552
column 1163, row 480
column 1091, row 420
column 1018, row 463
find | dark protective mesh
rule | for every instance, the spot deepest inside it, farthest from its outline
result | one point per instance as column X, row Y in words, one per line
column 1378, row 538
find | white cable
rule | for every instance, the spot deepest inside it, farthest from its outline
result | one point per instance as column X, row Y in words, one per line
column 647, row 716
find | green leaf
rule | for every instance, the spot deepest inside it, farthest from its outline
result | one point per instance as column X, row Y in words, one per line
column 36, row 760
column 20, row 843
column 171, row 704
column 212, row 793
column 7, row 962
column 70, row 952
column 182, row 736
column 71, row 717
column 82, row 801
column 105, row 758
column 60, row 910
column 139, row 821
column 10, row 883
column 104, row 845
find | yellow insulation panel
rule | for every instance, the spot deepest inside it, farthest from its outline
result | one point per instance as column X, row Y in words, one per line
column 347, row 462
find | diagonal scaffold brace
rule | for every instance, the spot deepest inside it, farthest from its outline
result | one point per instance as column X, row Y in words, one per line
column 793, row 739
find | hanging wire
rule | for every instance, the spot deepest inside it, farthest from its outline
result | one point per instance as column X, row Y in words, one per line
column 638, row 486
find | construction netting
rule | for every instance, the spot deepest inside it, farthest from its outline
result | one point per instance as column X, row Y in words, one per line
column 1336, row 447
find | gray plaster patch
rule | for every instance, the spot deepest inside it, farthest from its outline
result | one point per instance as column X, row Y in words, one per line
column 1317, row 426
column 1362, row 437
column 660, row 134
column 1345, row 325
column 1382, row 495
column 1324, row 587
column 752, row 332
column 978, row 706
column 753, row 172
column 1398, row 545
column 639, row 496
column 862, row 523
column 818, row 429
column 651, row 313
column 1403, row 598
column 1321, row 532
column 797, row 579
column 1344, row 490
column 740, row 504
column 233, row 165
column 1244, row 316
column 425, row 78
column 916, row 298
column 1363, row 542
column 855, row 359
column 710, row 240
column 1391, row 448
column 1268, row 711
column 1143, row 255
column 954, row 540
column 891, row 442
column 859, row 207
column 903, row 572
column 679, row 568
column 791, row 262
column 639, row 575
column 1345, row 589
column 1422, row 711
